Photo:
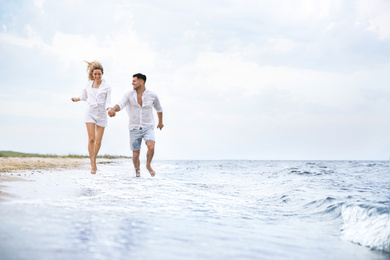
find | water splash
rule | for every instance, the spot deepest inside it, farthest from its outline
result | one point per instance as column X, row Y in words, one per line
column 367, row 225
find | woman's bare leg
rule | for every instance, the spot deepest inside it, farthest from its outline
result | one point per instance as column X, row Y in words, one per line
column 91, row 145
column 98, row 140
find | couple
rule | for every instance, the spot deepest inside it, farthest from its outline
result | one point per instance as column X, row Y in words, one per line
column 139, row 104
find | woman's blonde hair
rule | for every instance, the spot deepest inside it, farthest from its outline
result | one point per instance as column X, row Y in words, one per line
column 94, row 65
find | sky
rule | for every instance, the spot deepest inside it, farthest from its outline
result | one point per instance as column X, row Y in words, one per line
column 247, row 80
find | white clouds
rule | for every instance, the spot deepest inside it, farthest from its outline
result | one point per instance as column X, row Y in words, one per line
column 330, row 27
column 127, row 48
column 123, row 14
column 30, row 42
column 121, row 48
column 39, row 4
column 70, row 47
column 307, row 112
column 277, row 46
column 381, row 25
column 296, row 11
column 29, row 31
column 318, row 10
column 230, row 77
column 281, row 45
column 375, row 15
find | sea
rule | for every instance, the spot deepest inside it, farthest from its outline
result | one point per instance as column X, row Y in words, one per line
column 226, row 209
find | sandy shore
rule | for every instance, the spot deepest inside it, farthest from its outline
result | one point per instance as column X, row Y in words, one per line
column 12, row 164
column 3, row 180
column 8, row 164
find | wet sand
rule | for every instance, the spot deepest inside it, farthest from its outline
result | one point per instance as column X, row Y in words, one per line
column 4, row 179
column 9, row 165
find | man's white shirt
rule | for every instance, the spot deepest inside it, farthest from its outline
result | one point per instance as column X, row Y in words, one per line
column 140, row 116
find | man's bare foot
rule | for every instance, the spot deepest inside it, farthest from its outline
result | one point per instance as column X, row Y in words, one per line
column 137, row 173
column 151, row 171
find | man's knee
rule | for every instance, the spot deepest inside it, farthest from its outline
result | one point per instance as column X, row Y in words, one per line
column 150, row 145
column 136, row 153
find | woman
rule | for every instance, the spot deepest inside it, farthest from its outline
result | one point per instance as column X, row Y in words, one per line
column 97, row 94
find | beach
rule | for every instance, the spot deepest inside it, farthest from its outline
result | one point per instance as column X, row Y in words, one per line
column 8, row 164
column 13, row 168
column 196, row 210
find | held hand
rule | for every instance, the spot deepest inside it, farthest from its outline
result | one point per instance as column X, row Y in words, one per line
column 111, row 112
column 74, row 99
column 160, row 125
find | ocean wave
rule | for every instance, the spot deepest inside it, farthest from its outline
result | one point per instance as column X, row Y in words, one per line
column 310, row 172
column 367, row 225
column 329, row 207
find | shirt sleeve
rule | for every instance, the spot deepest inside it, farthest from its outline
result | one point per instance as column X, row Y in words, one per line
column 157, row 104
column 84, row 95
column 108, row 98
column 125, row 99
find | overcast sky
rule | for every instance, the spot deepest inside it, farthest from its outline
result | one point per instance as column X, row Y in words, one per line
column 237, row 79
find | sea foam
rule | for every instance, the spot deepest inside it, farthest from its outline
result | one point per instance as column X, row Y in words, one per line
column 367, row 225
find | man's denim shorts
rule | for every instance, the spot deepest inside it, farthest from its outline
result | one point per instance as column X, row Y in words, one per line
column 136, row 135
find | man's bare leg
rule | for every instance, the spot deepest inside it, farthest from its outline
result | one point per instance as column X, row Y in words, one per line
column 136, row 163
column 149, row 157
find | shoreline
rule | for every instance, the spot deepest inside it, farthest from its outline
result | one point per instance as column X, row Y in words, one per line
column 3, row 180
column 11, row 164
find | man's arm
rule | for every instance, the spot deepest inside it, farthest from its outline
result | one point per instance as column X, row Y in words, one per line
column 160, row 120
column 121, row 104
column 112, row 110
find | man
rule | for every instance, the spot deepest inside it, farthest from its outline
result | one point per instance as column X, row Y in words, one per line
column 139, row 104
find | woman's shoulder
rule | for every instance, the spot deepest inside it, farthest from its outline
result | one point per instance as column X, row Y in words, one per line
column 105, row 84
column 88, row 84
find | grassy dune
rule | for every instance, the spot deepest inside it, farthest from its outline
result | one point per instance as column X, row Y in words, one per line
column 19, row 154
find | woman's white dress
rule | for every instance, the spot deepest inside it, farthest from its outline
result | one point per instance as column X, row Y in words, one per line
column 98, row 100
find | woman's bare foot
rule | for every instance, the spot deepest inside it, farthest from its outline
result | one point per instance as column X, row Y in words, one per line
column 137, row 173
column 151, row 171
column 94, row 168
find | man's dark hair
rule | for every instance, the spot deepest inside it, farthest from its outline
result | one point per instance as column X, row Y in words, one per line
column 140, row 76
